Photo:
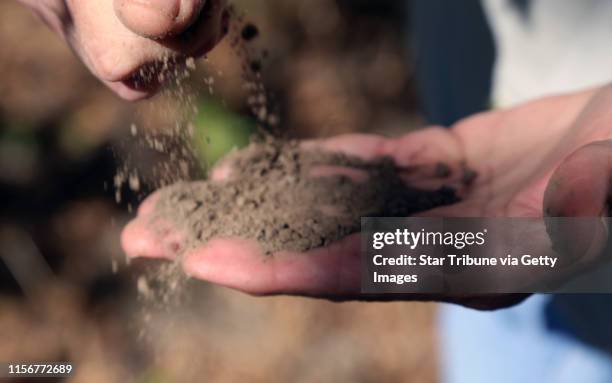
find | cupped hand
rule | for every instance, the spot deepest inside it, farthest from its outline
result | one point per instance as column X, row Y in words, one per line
column 126, row 43
column 548, row 157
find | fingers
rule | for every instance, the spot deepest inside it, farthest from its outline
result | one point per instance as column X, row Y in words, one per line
column 425, row 146
column 148, row 205
column 364, row 146
column 149, row 236
column 428, row 158
column 357, row 175
column 132, row 91
column 200, row 32
column 221, row 171
column 133, row 46
column 432, row 152
column 158, row 18
column 142, row 238
column 330, row 271
column 241, row 265
column 580, row 187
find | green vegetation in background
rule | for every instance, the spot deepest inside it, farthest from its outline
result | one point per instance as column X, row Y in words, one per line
column 153, row 375
column 219, row 130
column 19, row 132
column 20, row 152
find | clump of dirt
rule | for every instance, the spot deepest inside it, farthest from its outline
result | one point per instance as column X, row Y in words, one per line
column 249, row 32
column 290, row 198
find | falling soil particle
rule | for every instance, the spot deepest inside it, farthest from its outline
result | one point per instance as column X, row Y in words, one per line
column 289, row 198
column 256, row 66
column 249, row 32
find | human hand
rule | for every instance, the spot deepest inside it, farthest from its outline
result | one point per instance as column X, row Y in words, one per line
column 126, row 43
column 526, row 169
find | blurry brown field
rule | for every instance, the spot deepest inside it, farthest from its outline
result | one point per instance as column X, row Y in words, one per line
column 66, row 291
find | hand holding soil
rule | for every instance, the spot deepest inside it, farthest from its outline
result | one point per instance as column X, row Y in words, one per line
column 496, row 164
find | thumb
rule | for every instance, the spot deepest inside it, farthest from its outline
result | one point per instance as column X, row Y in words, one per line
column 580, row 188
column 158, row 18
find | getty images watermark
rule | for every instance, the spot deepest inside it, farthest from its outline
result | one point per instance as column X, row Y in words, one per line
column 461, row 256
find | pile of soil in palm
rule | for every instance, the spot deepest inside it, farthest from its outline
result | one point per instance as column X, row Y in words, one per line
column 277, row 196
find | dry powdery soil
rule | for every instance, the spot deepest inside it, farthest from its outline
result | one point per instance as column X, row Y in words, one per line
column 289, row 198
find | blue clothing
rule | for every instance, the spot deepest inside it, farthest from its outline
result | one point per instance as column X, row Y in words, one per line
column 520, row 344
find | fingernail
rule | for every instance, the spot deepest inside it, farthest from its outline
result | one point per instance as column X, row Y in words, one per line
column 149, row 18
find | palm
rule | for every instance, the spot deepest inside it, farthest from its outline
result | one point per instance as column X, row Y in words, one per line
column 514, row 154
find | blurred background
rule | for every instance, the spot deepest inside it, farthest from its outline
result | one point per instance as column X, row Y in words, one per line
column 75, row 161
